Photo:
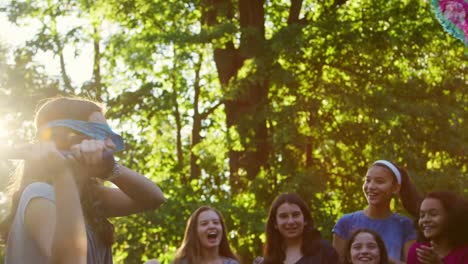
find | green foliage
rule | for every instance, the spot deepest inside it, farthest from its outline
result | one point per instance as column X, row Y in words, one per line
column 325, row 94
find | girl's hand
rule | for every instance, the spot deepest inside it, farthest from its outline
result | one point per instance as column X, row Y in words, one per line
column 45, row 156
column 90, row 154
column 89, row 151
column 427, row 255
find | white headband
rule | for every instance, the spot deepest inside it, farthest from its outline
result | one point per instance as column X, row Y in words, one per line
column 392, row 167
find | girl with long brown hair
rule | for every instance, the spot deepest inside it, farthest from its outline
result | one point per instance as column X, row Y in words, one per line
column 59, row 205
column 205, row 240
column 291, row 237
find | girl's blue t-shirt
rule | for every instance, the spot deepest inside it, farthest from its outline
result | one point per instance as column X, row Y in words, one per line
column 395, row 230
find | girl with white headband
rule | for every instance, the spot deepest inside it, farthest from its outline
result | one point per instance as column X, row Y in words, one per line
column 383, row 181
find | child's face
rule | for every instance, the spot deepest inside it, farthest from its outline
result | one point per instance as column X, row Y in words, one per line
column 209, row 229
column 290, row 221
column 432, row 218
column 365, row 249
column 379, row 186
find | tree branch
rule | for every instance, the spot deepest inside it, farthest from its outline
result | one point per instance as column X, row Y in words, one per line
column 294, row 11
column 210, row 110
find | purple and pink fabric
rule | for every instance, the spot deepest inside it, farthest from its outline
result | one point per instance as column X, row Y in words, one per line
column 453, row 15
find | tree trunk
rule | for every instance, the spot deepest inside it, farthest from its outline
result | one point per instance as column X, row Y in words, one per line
column 247, row 111
column 59, row 51
column 195, row 170
column 177, row 116
column 97, row 63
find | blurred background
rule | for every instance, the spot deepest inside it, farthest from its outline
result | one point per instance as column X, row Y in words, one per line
column 230, row 102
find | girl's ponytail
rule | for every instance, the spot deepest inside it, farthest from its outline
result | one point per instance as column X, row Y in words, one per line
column 410, row 197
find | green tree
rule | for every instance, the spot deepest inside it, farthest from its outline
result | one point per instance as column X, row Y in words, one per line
column 229, row 103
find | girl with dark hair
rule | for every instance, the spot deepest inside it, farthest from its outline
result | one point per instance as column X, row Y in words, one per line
column 365, row 246
column 291, row 237
column 442, row 230
column 383, row 180
column 59, row 205
column 205, row 240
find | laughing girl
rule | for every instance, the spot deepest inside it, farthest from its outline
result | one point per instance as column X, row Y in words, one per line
column 383, row 181
column 366, row 247
column 205, row 240
column 443, row 229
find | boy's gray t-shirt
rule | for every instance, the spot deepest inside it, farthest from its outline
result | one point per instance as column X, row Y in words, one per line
column 21, row 248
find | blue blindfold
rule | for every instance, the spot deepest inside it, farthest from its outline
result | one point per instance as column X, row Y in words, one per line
column 96, row 130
